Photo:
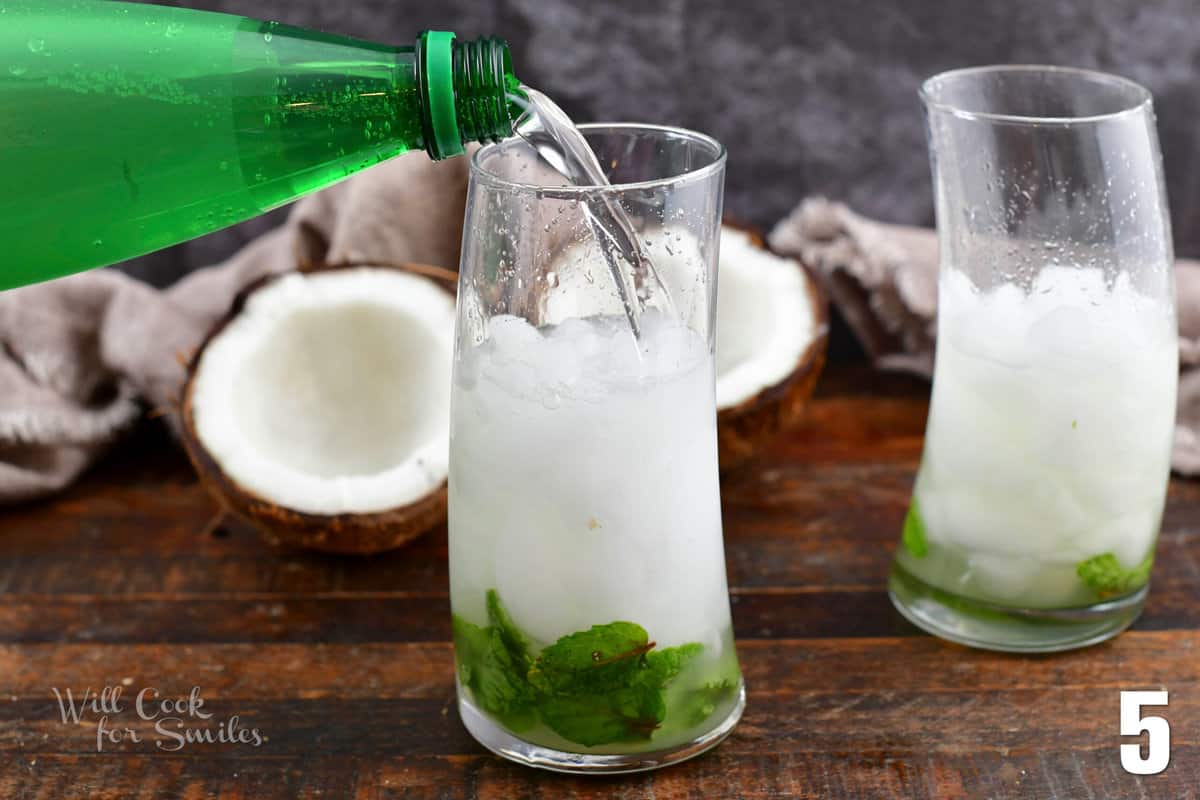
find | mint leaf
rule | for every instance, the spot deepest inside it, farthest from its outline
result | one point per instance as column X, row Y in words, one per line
column 597, row 659
column 513, row 640
column 630, row 714
column 493, row 662
column 663, row 665
column 913, row 536
column 471, row 642
column 1107, row 578
column 606, row 684
column 502, row 687
column 699, row 704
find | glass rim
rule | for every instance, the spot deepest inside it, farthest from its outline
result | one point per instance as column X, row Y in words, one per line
column 1142, row 101
column 479, row 172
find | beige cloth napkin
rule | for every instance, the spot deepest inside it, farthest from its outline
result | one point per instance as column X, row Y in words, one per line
column 883, row 278
column 79, row 355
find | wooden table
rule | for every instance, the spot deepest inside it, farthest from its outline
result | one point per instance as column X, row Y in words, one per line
column 343, row 665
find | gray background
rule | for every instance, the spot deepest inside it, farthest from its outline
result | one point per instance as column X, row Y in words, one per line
column 809, row 97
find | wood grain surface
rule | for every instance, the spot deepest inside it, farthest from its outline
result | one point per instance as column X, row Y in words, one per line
column 344, row 667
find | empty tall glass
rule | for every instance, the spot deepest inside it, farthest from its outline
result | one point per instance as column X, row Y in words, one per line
column 591, row 615
column 1040, row 493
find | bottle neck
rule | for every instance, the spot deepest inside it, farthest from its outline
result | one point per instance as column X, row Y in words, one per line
column 464, row 92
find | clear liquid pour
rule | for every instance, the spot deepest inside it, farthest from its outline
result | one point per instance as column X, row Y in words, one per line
column 550, row 132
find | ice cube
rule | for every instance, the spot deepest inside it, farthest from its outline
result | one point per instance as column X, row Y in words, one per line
column 1068, row 333
column 1001, row 578
column 1129, row 537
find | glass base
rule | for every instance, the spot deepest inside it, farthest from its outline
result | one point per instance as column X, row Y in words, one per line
column 503, row 743
column 1014, row 630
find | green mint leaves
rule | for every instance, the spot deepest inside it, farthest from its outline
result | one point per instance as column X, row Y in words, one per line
column 606, row 684
column 1107, row 578
column 600, row 658
column 493, row 662
column 913, row 536
column 600, row 686
column 700, row 703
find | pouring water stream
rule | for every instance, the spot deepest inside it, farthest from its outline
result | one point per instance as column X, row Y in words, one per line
column 551, row 133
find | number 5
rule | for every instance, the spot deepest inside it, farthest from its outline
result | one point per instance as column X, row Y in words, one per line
column 1133, row 723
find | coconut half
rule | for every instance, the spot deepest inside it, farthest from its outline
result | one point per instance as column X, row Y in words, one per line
column 772, row 331
column 319, row 410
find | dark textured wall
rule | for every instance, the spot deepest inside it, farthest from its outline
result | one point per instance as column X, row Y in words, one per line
column 809, row 97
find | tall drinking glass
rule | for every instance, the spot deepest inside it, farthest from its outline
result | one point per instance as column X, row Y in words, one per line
column 587, row 573
column 1047, row 452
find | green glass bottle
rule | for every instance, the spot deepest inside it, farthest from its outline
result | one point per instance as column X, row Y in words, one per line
column 125, row 128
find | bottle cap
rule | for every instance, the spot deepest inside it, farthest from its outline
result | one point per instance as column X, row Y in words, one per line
column 438, row 94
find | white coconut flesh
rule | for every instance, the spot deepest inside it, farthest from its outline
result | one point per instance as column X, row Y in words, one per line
column 329, row 392
column 765, row 318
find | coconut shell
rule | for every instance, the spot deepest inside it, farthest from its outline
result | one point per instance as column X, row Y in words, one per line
column 746, row 428
column 360, row 534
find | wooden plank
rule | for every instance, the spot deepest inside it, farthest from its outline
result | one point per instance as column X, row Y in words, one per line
column 1049, row 775
column 164, row 777
column 396, row 617
column 899, row 697
column 803, row 544
column 424, row 670
column 898, row 723
column 1056, row 775
column 787, row 528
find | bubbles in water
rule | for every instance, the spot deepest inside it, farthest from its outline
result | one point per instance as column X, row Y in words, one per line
column 36, row 45
column 16, row 70
column 174, row 29
column 552, row 399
